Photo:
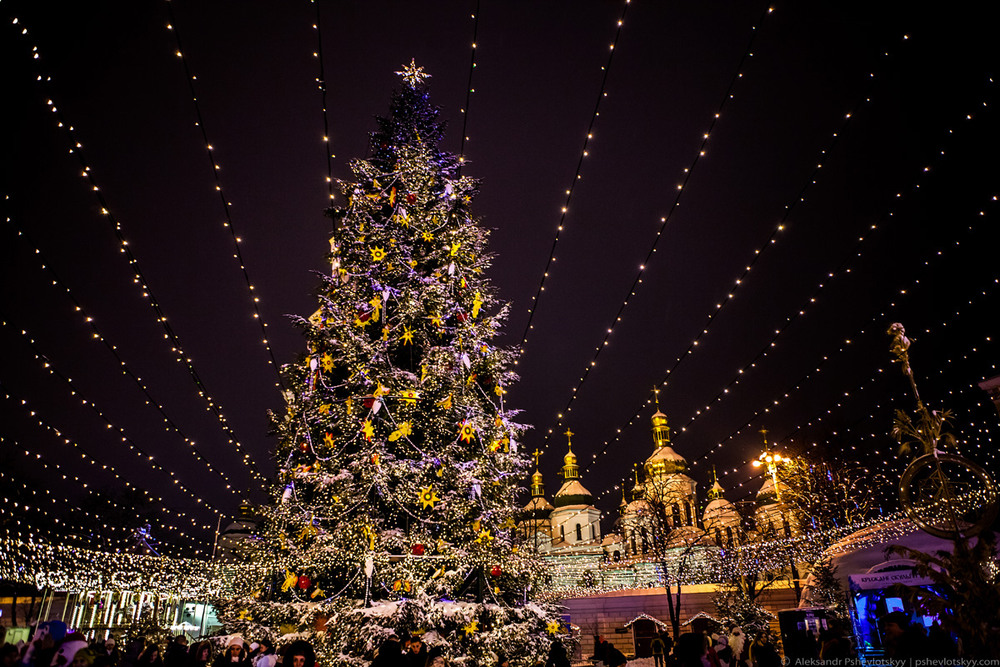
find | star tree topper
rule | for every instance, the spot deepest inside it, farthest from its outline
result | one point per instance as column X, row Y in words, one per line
column 412, row 74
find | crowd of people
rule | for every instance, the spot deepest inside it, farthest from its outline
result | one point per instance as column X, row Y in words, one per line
column 53, row 645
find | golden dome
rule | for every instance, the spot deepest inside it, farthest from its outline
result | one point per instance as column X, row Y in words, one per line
column 658, row 419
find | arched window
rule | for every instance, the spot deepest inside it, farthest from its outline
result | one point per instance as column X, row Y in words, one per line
column 562, row 532
column 632, row 541
column 592, row 536
column 616, row 556
column 687, row 513
column 787, row 528
column 645, row 540
column 729, row 535
column 718, row 537
column 579, row 533
column 675, row 510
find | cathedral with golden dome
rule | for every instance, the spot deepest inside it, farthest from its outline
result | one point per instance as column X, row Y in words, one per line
column 662, row 513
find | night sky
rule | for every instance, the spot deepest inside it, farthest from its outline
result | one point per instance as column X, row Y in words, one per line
column 915, row 159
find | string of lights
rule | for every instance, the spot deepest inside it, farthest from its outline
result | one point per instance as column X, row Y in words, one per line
column 77, row 569
column 664, row 221
column 877, row 438
column 29, row 501
column 830, row 278
column 577, row 176
column 870, row 380
column 226, row 204
column 468, row 87
column 47, row 365
column 139, row 451
column 321, row 85
column 110, row 468
column 40, row 493
column 35, row 459
column 877, row 321
column 177, row 349
column 842, row 269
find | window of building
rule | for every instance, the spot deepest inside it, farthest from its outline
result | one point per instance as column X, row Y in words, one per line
column 579, row 533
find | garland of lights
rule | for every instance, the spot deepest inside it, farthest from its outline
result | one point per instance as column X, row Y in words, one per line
column 177, row 349
column 47, row 365
column 769, row 242
column 169, row 423
column 228, row 224
column 577, row 176
column 664, row 221
column 89, row 458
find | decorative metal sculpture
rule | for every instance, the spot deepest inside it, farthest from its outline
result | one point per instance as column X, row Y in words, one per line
column 942, row 492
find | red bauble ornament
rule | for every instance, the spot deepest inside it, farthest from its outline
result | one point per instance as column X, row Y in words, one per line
column 410, row 198
column 304, row 446
column 304, row 582
column 494, row 571
column 461, row 317
column 369, row 401
column 417, row 550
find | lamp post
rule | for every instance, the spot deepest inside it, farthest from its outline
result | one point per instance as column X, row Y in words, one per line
column 771, row 460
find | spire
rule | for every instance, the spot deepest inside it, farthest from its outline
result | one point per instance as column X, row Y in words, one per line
column 661, row 431
column 537, row 484
column 570, row 469
column 716, row 491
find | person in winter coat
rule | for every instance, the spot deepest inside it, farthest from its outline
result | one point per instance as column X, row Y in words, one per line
column 234, row 655
column 557, row 656
column 417, row 657
column 266, row 657
column 690, row 649
column 613, row 657
column 389, row 654
column 435, row 657
column 150, row 657
column 175, row 654
column 299, row 654
column 200, row 655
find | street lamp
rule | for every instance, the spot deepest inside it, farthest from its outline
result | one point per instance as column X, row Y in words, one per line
column 771, row 460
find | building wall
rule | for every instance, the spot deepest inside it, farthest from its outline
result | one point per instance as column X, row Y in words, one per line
column 604, row 614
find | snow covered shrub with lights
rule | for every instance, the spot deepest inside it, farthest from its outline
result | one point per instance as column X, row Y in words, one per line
column 399, row 461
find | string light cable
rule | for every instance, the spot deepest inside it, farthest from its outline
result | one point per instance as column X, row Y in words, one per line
column 36, row 459
column 226, row 204
column 577, row 176
column 177, row 348
column 91, row 323
column 47, row 365
column 664, row 221
column 841, row 270
column 468, row 87
column 877, row 320
column 321, row 85
column 110, row 468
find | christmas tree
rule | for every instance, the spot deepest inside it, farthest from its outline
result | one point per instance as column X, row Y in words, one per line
column 399, row 462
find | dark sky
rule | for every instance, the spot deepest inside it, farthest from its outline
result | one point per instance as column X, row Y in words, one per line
column 116, row 79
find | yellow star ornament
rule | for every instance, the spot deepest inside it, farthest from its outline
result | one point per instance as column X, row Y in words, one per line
column 368, row 430
column 403, row 431
column 427, row 497
column 466, row 432
column 471, row 627
column 327, row 361
column 378, row 254
column 553, row 627
column 290, row 580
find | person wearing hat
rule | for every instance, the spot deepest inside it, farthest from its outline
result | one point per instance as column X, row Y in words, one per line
column 234, row 655
column 266, row 657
